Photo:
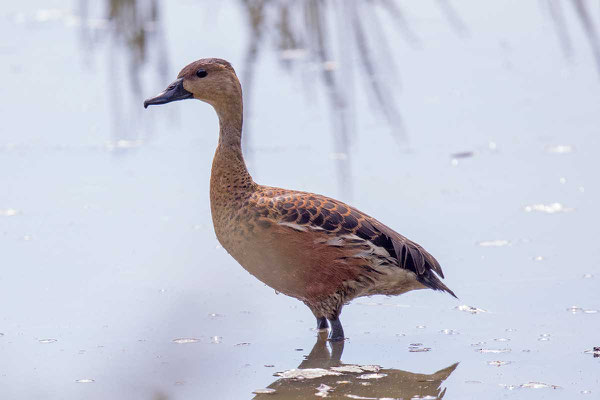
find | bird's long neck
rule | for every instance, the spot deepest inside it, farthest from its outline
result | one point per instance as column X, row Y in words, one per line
column 230, row 181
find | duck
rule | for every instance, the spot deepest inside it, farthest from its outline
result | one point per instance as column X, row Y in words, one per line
column 311, row 247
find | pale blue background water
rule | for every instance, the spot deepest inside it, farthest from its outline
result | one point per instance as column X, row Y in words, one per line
column 106, row 240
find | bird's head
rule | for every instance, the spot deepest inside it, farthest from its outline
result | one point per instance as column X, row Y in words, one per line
column 211, row 80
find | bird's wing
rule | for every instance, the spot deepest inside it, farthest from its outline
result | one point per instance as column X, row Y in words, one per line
column 308, row 211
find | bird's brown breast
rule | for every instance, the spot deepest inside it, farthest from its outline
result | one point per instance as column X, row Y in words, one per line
column 293, row 262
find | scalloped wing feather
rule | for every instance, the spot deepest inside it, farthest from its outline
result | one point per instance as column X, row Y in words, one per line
column 301, row 210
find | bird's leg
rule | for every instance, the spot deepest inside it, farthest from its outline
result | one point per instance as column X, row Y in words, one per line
column 321, row 320
column 322, row 323
column 337, row 332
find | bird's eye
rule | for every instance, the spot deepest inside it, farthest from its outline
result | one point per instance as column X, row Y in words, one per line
column 201, row 73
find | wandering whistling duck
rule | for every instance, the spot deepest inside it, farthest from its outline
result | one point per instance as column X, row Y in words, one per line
column 311, row 247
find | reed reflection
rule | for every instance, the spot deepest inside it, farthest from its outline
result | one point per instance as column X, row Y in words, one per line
column 584, row 18
column 326, row 37
column 324, row 372
column 136, row 48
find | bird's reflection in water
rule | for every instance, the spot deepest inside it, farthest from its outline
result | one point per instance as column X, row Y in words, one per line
column 324, row 374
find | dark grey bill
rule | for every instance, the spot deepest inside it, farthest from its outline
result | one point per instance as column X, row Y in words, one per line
column 173, row 92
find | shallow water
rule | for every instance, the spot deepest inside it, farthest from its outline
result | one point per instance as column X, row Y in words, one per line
column 478, row 139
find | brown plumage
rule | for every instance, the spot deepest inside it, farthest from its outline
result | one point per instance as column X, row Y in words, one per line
column 311, row 247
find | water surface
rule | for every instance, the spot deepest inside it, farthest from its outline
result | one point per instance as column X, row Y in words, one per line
column 470, row 128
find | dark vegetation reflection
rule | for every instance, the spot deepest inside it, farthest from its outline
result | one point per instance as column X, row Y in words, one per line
column 389, row 383
column 343, row 43
column 584, row 18
column 132, row 34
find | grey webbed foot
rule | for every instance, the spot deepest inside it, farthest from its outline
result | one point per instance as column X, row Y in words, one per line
column 337, row 332
column 322, row 323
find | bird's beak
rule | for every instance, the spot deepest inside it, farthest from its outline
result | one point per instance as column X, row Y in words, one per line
column 175, row 91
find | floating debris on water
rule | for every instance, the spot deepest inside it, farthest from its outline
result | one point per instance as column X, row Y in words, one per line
column 551, row 208
column 185, row 340
column 502, row 339
column 306, row 373
column 215, row 315
column 562, row 180
column 462, row 154
column 454, row 162
column 449, row 332
column 269, row 365
column 544, row 337
column 498, row 363
column 84, row 380
column 530, row 385
column 216, row 339
column 242, row 344
column 348, row 368
column 417, row 348
column 9, row 212
column 560, row 149
column 478, row 344
column 323, row 390
column 538, row 385
column 588, row 276
column 48, row 340
column 510, row 330
column 356, row 369
column 538, row 258
column 421, row 326
column 493, row 351
column 494, row 243
column 372, row 376
column 578, row 310
column 470, row 309
column 264, row 391
column 473, row 382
